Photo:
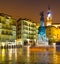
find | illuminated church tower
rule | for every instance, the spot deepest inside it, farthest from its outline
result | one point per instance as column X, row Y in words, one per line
column 49, row 17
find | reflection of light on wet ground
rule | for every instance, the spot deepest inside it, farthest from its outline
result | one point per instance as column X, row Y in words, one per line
column 56, row 57
column 25, row 56
column 15, row 52
column 3, row 54
column 28, row 52
column 10, row 54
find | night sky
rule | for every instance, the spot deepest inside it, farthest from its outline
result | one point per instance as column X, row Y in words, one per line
column 30, row 9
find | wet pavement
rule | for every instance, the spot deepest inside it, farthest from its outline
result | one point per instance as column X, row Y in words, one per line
column 25, row 56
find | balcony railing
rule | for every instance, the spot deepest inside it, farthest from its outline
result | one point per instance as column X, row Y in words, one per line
column 6, row 27
column 6, row 33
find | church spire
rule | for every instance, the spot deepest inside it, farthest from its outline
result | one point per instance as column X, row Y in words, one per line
column 48, row 7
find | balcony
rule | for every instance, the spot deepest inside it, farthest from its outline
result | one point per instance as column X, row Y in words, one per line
column 6, row 27
column 6, row 33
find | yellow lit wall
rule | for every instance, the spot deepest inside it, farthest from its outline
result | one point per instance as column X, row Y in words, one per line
column 53, row 32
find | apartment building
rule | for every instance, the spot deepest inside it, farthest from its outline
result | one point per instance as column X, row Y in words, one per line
column 26, row 31
column 7, row 29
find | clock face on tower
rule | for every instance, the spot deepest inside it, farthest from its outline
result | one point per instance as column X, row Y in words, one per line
column 49, row 15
